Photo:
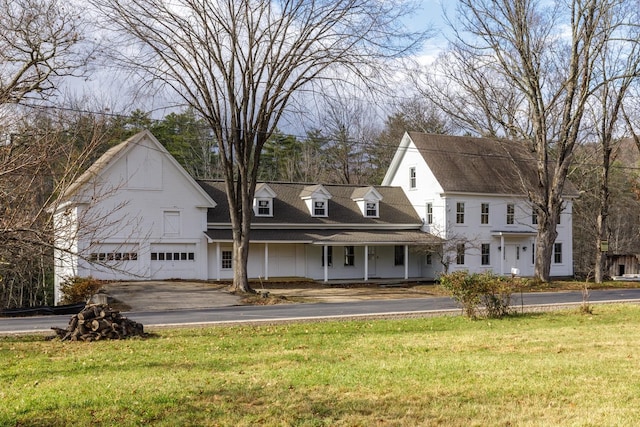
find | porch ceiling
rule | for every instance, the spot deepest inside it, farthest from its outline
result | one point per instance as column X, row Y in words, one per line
column 332, row 237
column 513, row 233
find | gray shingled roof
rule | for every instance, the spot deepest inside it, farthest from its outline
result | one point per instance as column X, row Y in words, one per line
column 479, row 165
column 289, row 208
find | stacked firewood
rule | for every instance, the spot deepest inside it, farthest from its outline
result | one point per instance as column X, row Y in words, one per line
column 97, row 322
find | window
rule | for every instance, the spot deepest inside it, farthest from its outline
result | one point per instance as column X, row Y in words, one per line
column 371, row 209
column 329, row 256
column 460, row 253
column 534, row 216
column 398, row 256
column 484, row 213
column 264, row 207
column 113, row 256
column 412, row 177
column 460, row 213
column 349, row 256
column 485, row 251
column 227, row 260
column 429, row 259
column 557, row 253
column 163, row 256
column 320, row 208
column 429, row 213
column 511, row 213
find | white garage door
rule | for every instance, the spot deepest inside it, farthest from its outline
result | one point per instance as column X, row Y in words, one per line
column 173, row 261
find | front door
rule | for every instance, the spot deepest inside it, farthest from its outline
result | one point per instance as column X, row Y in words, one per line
column 511, row 258
column 371, row 257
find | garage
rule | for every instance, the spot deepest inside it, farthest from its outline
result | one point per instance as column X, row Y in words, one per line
column 173, row 261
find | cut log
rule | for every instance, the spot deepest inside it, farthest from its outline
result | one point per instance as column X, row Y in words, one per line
column 99, row 321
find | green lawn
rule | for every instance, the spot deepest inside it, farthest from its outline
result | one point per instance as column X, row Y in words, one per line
column 560, row 368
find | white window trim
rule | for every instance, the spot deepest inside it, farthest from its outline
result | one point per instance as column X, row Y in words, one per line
column 270, row 207
column 313, row 208
column 376, row 208
column 413, row 178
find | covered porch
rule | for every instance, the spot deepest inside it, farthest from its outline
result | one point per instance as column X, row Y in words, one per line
column 329, row 255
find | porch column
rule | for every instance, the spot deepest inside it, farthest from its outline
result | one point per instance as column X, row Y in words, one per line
column 266, row 261
column 406, row 262
column 325, row 251
column 218, row 261
column 366, row 262
column 502, row 254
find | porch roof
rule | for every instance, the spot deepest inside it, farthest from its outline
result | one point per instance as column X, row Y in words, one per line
column 332, row 237
column 513, row 233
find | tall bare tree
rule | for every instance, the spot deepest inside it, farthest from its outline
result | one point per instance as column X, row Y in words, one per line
column 525, row 70
column 622, row 60
column 239, row 63
column 40, row 42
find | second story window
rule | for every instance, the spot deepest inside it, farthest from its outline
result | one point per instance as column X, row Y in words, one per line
column 429, row 218
column 412, row 177
column 372, row 209
column 534, row 216
column 484, row 213
column 264, row 207
column 460, row 213
column 511, row 213
column 320, row 208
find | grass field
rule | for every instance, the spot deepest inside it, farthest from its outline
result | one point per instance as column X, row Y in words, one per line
column 559, row 368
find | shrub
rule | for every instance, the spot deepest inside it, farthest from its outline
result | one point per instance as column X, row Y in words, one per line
column 79, row 289
column 474, row 290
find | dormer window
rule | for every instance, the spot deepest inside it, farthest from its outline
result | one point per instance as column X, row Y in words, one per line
column 372, row 209
column 263, row 200
column 368, row 200
column 316, row 197
column 264, row 207
column 320, row 208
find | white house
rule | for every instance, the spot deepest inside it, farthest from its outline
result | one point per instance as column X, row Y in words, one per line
column 472, row 193
column 136, row 214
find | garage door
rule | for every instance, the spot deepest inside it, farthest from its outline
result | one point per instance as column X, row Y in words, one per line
column 173, row 261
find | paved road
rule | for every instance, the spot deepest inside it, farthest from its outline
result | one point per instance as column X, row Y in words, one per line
column 244, row 314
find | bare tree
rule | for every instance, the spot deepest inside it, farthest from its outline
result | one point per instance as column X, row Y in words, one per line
column 47, row 152
column 347, row 127
column 616, row 59
column 239, row 63
column 414, row 114
column 525, row 70
column 40, row 41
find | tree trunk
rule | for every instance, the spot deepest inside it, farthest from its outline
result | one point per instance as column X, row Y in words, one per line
column 602, row 231
column 545, row 239
column 240, row 257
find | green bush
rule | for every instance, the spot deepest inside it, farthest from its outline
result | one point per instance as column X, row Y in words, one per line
column 79, row 289
column 477, row 291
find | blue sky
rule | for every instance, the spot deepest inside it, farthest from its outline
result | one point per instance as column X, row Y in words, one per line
column 431, row 13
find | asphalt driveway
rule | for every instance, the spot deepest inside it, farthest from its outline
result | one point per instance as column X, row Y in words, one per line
column 178, row 295
column 169, row 295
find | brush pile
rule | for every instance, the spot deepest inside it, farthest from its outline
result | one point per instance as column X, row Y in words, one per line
column 97, row 322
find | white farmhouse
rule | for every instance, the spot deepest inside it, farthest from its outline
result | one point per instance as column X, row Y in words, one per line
column 136, row 214
column 472, row 193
